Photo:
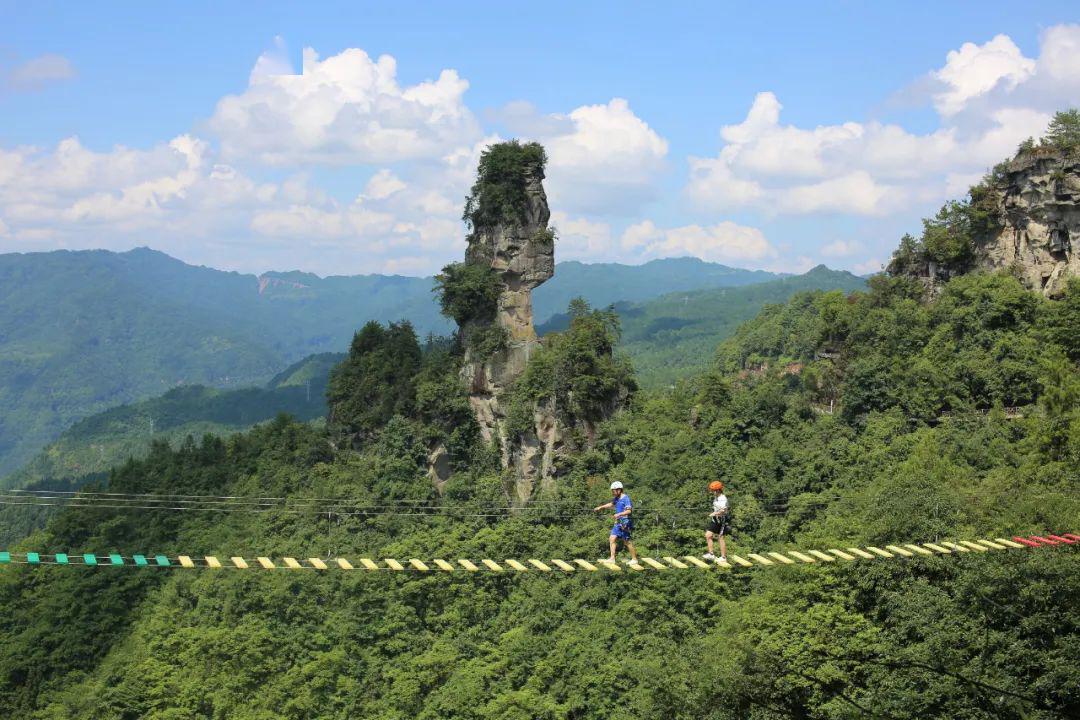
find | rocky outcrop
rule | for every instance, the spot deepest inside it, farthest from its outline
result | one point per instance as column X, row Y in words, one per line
column 1040, row 212
column 522, row 252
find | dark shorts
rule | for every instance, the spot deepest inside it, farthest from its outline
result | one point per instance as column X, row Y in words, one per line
column 717, row 526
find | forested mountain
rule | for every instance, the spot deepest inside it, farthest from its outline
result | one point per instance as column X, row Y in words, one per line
column 81, row 332
column 85, row 452
column 674, row 336
column 897, row 413
column 925, row 637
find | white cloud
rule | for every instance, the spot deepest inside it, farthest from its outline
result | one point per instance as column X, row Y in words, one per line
column 602, row 159
column 723, row 242
column 346, row 109
column 38, row 72
column 974, row 70
column 841, row 248
column 989, row 97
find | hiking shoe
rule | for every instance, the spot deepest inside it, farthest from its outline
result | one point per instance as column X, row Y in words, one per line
column 723, row 559
column 709, row 556
column 632, row 562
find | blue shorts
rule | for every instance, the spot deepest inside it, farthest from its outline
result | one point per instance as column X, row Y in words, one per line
column 623, row 532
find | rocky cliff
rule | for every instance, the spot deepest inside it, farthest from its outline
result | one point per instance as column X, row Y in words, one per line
column 508, row 214
column 1039, row 205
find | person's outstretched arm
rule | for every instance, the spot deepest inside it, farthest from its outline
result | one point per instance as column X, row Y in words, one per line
column 605, row 506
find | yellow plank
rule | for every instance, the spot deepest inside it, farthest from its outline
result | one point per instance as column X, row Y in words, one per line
column 542, row 567
column 585, row 564
column 782, row 558
column 562, row 565
column 675, row 562
column 468, row 565
column 211, row 561
column 393, row 564
column 185, row 561
column 973, row 546
column 899, row 551
column 492, row 565
column 954, row 546
column 879, row 552
column 317, row 563
column 760, row 559
column 841, row 554
column 722, row 564
column 516, row 565
column 443, row 565
column 741, row 561
column 344, row 564
column 292, row 563
column 655, row 565
column 613, row 567
column 801, row 556
column 635, row 566
column 918, row 549
column 369, row 564
column 1008, row 543
column 419, row 565
column 821, row 556
column 859, row 552
column 938, row 548
column 696, row 561
column 266, row 563
column 239, row 562
column 992, row 545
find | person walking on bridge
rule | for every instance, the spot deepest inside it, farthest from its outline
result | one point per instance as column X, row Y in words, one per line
column 718, row 521
column 624, row 524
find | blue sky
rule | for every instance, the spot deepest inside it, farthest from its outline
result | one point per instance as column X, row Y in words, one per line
column 777, row 136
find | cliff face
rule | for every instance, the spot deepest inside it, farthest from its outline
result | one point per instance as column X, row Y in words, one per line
column 522, row 253
column 1040, row 210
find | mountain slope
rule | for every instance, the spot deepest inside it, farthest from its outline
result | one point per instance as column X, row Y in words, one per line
column 84, row 331
column 676, row 335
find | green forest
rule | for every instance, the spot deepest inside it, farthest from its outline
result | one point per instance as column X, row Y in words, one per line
column 876, row 416
column 140, row 323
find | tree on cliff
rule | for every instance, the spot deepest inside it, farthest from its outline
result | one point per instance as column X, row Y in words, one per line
column 499, row 193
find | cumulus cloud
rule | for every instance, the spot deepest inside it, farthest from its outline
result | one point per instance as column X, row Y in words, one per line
column 841, row 248
column 346, row 109
column 989, row 97
column 602, row 159
column 974, row 70
column 722, row 242
column 36, row 73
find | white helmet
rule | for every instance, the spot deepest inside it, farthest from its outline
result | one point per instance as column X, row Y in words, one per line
column 616, row 485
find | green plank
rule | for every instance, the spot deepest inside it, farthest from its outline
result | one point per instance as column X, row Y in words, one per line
column 116, row 559
column 5, row 557
column 140, row 560
column 33, row 558
column 162, row 560
column 90, row 558
column 61, row 558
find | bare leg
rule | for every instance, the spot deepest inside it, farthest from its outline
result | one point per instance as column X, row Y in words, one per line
column 632, row 549
column 708, row 542
column 723, row 547
column 612, row 540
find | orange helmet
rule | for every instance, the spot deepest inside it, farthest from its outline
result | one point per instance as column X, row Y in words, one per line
column 716, row 486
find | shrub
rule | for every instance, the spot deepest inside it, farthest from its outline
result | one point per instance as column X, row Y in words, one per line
column 498, row 195
column 468, row 292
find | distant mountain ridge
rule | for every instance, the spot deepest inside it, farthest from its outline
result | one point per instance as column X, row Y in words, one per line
column 83, row 331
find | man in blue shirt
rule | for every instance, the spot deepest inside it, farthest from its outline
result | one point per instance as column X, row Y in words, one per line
column 624, row 525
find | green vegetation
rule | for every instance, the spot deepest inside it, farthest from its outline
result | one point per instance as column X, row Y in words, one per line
column 468, row 292
column 81, row 332
column 139, row 323
column 577, row 370
column 674, row 336
column 1062, row 135
column 498, row 195
column 971, row 635
column 376, row 380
